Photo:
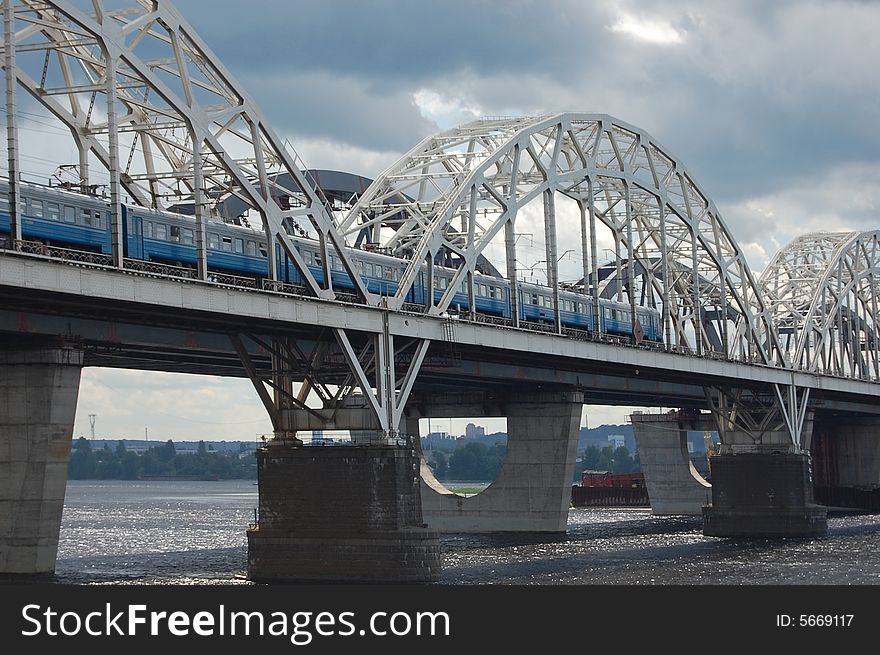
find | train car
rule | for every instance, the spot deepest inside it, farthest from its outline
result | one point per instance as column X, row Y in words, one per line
column 66, row 218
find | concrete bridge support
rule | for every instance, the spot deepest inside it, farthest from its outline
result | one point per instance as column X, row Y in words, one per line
column 763, row 492
column 762, row 484
column 340, row 514
column 846, row 460
column 674, row 485
column 533, row 490
column 38, row 392
column 858, row 452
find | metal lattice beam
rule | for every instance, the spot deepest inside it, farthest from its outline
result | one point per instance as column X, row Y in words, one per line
column 457, row 192
column 144, row 96
column 823, row 290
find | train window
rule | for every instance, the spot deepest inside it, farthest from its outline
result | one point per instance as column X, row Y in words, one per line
column 37, row 208
column 492, row 291
column 482, row 290
column 388, row 273
column 86, row 217
column 213, row 241
column 161, row 231
column 99, row 221
column 226, row 244
column 239, row 245
column 187, row 236
column 148, row 228
column 360, row 266
column 308, row 256
column 53, row 211
column 174, row 233
column 69, row 214
column 534, row 300
column 262, row 250
column 369, row 269
column 250, row 248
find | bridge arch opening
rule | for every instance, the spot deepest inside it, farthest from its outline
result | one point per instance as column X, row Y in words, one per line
column 462, row 456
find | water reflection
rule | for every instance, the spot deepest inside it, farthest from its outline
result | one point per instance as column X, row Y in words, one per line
column 194, row 532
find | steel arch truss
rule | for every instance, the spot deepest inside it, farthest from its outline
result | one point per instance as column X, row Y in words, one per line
column 456, row 193
column 823, row 290
column 145, row 97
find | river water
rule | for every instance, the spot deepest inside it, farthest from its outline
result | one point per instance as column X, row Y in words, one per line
column 194, row 533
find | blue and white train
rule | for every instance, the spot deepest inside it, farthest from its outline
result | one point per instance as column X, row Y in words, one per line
column 80, row 221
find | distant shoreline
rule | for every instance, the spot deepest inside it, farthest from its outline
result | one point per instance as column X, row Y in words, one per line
column 179, row 478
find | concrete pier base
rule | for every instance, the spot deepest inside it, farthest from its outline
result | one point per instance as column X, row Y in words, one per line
column 675, row 487
column 763, row 494
column 340, row 514
column 846, row 461
column 533, row 490
column 38, row 392
column 858, row 452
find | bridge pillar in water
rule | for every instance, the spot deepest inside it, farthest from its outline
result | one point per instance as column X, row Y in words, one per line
column 858, row 452
column 763, row 490
column 340, row 514
column 38, row 392
column 533, row 490
column 846, row 454
column 674, row 484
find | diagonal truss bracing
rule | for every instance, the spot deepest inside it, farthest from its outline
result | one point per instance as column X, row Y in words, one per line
column 823, row 290
column 457, row 192
column 145, row 98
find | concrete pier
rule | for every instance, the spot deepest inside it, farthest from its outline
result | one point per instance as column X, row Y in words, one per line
column 858, row 452
column 763, row 492
column 38, row 393
column 533, row 489
column 340, row 514
column 674, row 485
column 846, row 461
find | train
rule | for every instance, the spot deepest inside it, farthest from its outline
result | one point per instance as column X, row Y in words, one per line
column 70, row 218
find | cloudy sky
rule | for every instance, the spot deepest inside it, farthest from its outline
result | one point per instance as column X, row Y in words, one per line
column 773, row 107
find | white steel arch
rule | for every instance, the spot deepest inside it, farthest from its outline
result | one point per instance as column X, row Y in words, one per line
column 823, row 290
column 146, row 98
column 458, row 191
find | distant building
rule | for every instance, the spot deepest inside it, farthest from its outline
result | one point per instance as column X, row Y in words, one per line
column 438, row 440
column 616, row 441
column 318, row 437
column 472, row 431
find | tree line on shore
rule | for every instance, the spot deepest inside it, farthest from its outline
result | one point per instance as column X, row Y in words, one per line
column 478, row 462
column 120, row 463
column 472, row 461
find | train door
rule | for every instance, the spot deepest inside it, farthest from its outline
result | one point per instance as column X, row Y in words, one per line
column 132, row 234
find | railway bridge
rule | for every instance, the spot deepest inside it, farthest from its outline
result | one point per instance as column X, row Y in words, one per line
column 491, row 301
